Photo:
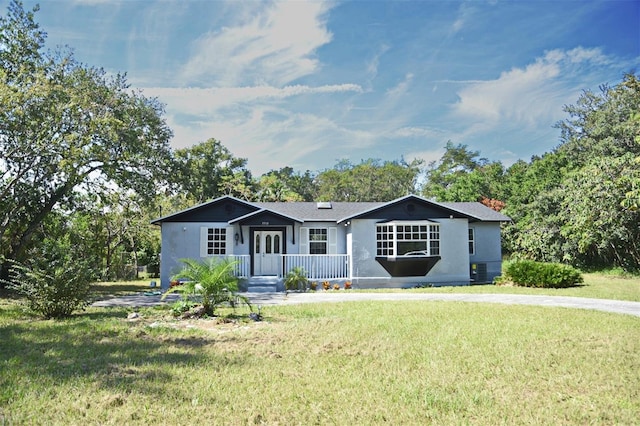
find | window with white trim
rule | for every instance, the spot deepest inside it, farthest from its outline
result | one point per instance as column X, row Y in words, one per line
column 434, row 240
column 472, row 241
column 408, row 238
column 215, row 241
column 318, row 240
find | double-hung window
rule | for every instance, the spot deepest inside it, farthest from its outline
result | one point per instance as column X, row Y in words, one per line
column 318, row 240
column 472, row 241
column 408, row 239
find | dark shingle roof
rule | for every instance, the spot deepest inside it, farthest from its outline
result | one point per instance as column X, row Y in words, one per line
column 479, row 211
column 310, row 211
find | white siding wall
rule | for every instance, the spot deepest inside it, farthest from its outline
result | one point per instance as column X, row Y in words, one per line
column 488, row 247
column 299, row 247
column 182, row 240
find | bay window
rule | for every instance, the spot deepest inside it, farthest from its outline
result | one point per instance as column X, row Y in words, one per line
column 408, row 239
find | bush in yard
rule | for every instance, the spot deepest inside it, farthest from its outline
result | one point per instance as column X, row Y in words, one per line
column 212, row 280
column 54, row 282
column 528, row 273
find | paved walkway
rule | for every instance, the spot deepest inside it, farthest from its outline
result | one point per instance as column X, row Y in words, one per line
column 615, row 306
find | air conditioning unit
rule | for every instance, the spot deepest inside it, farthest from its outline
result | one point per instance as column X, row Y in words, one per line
column 478, row 273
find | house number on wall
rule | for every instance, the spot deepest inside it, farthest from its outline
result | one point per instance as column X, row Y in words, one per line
column 265, row 223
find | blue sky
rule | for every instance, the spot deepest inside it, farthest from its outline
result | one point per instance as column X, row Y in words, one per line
column 304, row 84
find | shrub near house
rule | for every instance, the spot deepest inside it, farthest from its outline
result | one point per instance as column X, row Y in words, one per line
column 528, row 273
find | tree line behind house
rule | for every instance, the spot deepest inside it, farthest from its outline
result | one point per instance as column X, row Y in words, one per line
column 86, row 163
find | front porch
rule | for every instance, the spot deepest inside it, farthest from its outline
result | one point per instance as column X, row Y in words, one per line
column 318, row 268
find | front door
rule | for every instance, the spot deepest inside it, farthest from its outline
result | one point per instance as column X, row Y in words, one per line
column 267, row 251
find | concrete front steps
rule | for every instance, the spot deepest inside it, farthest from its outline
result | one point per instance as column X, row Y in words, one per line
column 264, row 284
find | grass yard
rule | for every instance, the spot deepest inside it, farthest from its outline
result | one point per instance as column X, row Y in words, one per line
column 344, row 363
column 596, row 285
column 108, row 289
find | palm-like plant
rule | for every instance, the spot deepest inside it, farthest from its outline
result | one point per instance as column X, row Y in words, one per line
column 296, row 279
column 212, row 279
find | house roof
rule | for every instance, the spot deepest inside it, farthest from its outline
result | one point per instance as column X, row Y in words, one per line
column 309, row 211
column 339, row 211
column 404, row 200
column 479, row 211
column 190, row 211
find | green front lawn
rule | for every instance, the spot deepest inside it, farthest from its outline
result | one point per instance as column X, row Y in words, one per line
column 342, row 363
column 108, row 289
column 596, row 285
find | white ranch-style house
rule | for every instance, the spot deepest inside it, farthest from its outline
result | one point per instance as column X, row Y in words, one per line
column 402, row 243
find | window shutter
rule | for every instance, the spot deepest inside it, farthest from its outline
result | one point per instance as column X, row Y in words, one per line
column 333, row 241
column 304, row 240
column 203, row 241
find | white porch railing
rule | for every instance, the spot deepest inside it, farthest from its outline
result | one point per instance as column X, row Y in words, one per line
column 319, row 266
column 242, row 268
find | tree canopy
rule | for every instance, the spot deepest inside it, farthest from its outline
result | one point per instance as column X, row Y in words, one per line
column 577, row 203
column 462, row 175
column 286, row 185
column 370, row 180
column 569, row 205
column 208, row 170
column 66, row 129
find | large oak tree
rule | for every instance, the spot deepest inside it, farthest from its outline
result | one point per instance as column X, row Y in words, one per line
column 66, row 129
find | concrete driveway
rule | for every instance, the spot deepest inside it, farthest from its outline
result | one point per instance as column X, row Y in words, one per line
column 615, row 306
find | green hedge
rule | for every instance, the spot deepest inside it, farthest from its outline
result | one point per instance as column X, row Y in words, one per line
column 528, row 273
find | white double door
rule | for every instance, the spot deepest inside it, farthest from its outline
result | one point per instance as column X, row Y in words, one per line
column 267, row 252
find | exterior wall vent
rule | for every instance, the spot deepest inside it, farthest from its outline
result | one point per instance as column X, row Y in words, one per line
column 323, row 205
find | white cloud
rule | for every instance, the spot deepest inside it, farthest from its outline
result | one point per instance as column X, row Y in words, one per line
column 457, row 25
column 416, row 132
column 580, row 54
column 274, row 46
column 529, row 95
column 401, row 88
column 374, row 63
column 465, row 13
column 272, row 137
column 199, row 101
